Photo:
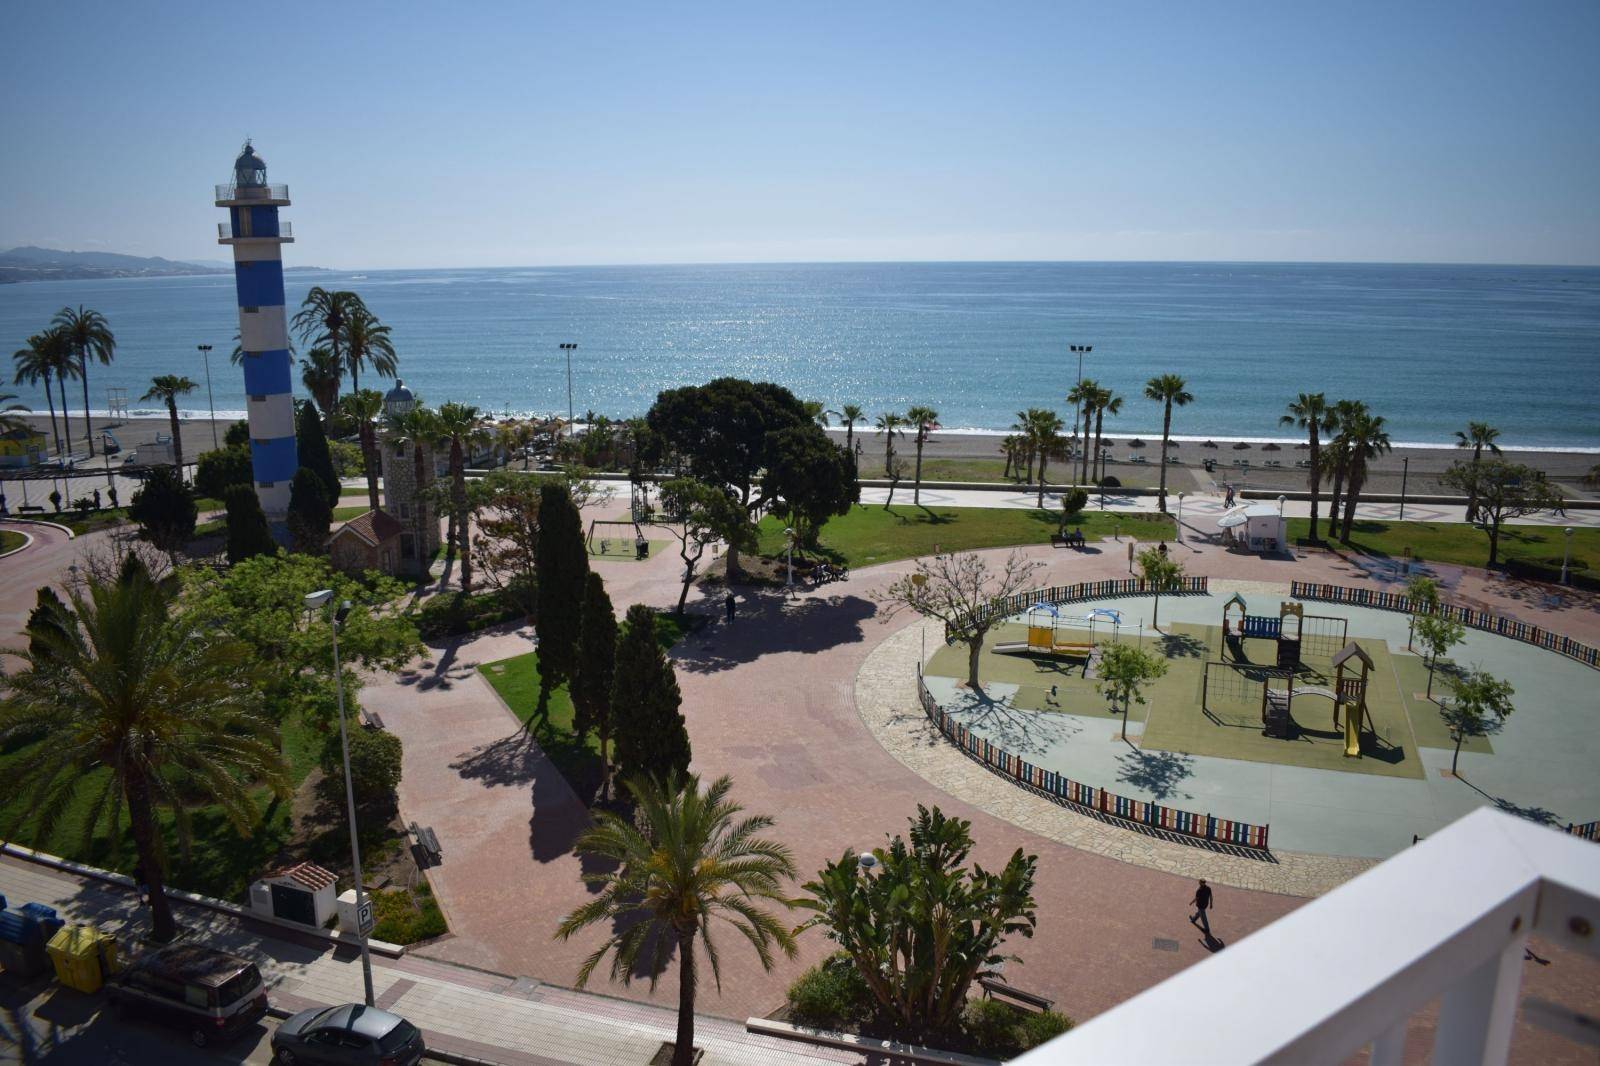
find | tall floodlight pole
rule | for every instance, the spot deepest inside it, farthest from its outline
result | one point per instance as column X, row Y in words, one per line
column 205, row 353
column 1405, row 475
column 569, row 348
column 316, row 601
column 1080, row 350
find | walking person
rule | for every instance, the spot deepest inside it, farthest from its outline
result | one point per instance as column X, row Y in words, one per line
column 1202, row 904
column 730, row 607
column 140, row 884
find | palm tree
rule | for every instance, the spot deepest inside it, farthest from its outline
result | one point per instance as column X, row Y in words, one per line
column 141, row 708
column 850, row 414
column 1025, row 450
column 1366, row 438
column 461, row 426
column 364, row 406
column 1477, row 436
column 685, row 860
column 1078, row 398
column 1345, row 412
column 167, row 388
column 1044, row 434
column 922, row 420
column 1171, row 391
column 322, row 317
column 1105, row 401
column 888, row 426
column 1088, row 393
column 36, row 364
column 816, row 412
column 1310, row 411
column 416, row 429
column 88, row 336
column 9, row 422
column 367, row 344
column 320, row 373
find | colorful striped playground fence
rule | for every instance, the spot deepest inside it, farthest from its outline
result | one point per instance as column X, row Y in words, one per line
column 1071, row 793
column 1588, row 830
column 1088, row 590
column 1484, row 620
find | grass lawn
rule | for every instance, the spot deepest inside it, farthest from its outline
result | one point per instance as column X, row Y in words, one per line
column 10, row 541
column 221, row 863
column 344, row 514
column 1463, row 545
column 871, row 534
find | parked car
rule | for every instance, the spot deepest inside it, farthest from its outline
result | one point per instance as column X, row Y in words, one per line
column 348, row 1035
column 212, row 993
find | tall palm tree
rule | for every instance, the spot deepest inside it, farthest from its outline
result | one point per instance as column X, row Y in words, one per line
column 322, row 317
column 141, row 708
column 1366, row 439
column 889, row 426
column 320, row 373
column 9, row 422
column 416, row 429
column 1310, row 411
column 850, row 414
column 367, row 344
column 816, row 412
column 685, row 861
column 1171, row 391
column 1105, row 402
column 89, row 337
column 922, row 421
column 1044, row 432
column 461, row 426
column 1088, row 392
column 167, row 388
column 1025, row 449
column 35, row 365
column 1345, row 413
column 1477, row 436
column 364, row 406
column 1077, row 398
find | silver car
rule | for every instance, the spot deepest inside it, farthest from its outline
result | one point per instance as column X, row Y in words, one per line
column 350, row 1035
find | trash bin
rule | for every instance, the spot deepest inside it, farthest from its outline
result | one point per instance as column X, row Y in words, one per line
column 22, row 944
column 45, row 916
column 75, row 951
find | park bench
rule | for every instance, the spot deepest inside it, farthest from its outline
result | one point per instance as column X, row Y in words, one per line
column 996, row 986
column 428, row 842
column 30, row 508
column 373, row 721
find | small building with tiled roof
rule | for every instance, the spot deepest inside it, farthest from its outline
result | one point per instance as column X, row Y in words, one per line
column 302, row 893
column 369, row 541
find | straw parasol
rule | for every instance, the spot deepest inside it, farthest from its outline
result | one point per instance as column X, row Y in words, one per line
column 1270, row 447
column 1240, row 446
column 1209, row 444
column 1136, row 443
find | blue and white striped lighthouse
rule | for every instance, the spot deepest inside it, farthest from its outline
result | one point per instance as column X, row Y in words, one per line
column 257, row 238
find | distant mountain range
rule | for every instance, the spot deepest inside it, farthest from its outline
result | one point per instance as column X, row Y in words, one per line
column 48, row 264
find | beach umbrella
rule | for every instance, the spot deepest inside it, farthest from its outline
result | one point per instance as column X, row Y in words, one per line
column 1240, row 446
column 1209, row 444
column 1271, row 448
column 1136, row 443
column 1302, row 447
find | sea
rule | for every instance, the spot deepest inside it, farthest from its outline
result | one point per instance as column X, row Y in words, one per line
column 1429, row 347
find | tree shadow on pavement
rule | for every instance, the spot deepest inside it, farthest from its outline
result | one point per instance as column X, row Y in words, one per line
column 509, row 761
column 770, row 622
column 558, row 818
column 1157, row 772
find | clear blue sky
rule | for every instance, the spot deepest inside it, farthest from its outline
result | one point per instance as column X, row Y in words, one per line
column 487, row 134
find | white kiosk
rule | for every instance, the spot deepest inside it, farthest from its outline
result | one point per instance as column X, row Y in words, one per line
column 1257, row 527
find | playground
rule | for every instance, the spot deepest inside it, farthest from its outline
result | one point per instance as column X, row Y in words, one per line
column 1311, row 717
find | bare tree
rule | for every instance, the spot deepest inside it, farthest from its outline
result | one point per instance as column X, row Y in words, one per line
column 964, row 593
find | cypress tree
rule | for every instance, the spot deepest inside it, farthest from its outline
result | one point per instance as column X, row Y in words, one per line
column 248, row 532
column 310, row 512
column 652, row 739
column 312, row 444
column 563, row 564
column 597, row 660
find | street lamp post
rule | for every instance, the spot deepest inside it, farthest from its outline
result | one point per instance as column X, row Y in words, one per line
column 1405, row 474
column 316, row 601
column 1567, row 556
column 1181, row 495
column 1080, row 350
column 205, row 353
column 789, row 559
column 569, row 348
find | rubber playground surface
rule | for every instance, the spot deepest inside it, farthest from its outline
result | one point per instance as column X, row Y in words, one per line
column 1198, row 741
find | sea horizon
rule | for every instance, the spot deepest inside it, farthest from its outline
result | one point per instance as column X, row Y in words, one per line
column 1429, row 346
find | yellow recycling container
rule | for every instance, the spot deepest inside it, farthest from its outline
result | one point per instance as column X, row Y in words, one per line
column 76, row 951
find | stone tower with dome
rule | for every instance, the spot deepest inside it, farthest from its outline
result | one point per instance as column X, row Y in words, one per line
column 406, row 482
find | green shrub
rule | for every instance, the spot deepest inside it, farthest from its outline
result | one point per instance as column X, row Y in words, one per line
column 222, row 468
column 236, row 433
column 1073, row 501
column 405, row 917
column 1042, row 1026
column 998, row 1028
column 830, row 994
column 375, row 758
column 455, row 613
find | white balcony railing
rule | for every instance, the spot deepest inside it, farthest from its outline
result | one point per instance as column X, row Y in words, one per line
column 231, row 191
column 1446, row 919
column 225, row 232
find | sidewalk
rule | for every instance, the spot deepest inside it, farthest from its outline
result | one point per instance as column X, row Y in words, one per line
column 465, row 1014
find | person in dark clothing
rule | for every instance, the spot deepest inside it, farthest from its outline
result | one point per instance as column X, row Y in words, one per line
column 141, row 884
column 729, row 607
column 1202, row 904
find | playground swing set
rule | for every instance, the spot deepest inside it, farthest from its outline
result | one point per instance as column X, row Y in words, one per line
column 1050, row 634
column 641, row 546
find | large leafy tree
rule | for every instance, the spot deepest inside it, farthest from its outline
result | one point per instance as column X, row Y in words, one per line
column 1503, row 491
column 563, row 566
column 364, row 406
column 165, row 509
column 922, row 420
column 597, row 664
column 810, row 479
column 461, row 427
column 925, row 926
column 686, row 861
column 221, row 468
column 698, row 514
column 88, row 336
column 1310, row 412
column 964, row 593
column 166, row 388
column 249, row 535
column 1169, row 390
column 311, row 443
column 725, row 433
column 1476, row 437
column 506, row 550
column 142, row 708
column 652, row 739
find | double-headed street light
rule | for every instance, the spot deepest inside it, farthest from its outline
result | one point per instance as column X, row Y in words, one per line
column 316, row 601
column 569, row 348
column 205, row 353
column 1566, row 558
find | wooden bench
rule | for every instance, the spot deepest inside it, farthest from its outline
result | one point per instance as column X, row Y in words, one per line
column 30, row 508
column 428, row 842
column 373, row 721
column 996, row 986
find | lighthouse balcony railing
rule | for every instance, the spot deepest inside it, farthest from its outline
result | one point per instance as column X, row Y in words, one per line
column 225, row 233
column 264, row 193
